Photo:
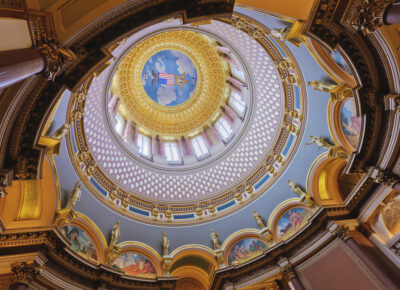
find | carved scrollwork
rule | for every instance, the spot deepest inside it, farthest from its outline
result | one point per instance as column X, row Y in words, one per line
column 341, row 232
column 26, row 272
column 289, row 271
column 370, row 15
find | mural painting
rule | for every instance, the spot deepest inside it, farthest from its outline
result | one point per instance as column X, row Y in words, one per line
column 169, row 77
column 351, row 124
column 135, row 264
column 338, row 58
column 80, row 242
column 245, row 250
column 291, row 221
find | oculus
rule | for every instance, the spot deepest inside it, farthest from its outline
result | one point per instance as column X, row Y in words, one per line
column 169, row 77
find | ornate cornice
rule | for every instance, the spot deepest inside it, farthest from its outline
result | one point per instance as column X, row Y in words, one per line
column 25, row 155
column 72, row 269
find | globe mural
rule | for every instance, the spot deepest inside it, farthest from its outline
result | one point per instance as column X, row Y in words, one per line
column 169, row 77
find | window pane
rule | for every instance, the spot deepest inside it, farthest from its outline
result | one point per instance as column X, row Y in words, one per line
column 199, row 146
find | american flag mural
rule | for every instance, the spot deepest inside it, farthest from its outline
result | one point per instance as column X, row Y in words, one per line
column 166, row 79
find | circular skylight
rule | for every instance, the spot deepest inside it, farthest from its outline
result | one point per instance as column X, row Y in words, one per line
column 169, row 77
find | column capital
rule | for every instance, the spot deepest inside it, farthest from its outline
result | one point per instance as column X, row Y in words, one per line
column 289, row 271
column 369, row 15
column 341, row 232
column 55, row 57
column 25, row 272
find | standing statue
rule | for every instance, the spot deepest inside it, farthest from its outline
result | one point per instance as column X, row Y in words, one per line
column 165, row 243
column 214, row 238
column 258, row 219
column 321, row 86
column 75, row 195
column 320, row 142
column 60, row 133
column 296, row 188
column 116, row 232
column 281, row 34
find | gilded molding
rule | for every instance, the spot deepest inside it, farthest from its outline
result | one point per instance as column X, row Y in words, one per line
column 341, row 232
column 368, row 14
column 179, row 120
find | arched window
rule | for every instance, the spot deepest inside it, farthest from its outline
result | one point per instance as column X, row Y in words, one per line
column 172, row 152
column 119, row 127
column 237, row 103
column 224, row 129
column 200, row 147
column 237, row 72
column 143, row 142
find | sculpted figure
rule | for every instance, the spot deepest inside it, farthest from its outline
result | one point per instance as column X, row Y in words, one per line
column 115, row 234
column 321, row 86
column 319, row 141
column 258, row 219
column 165, row 243
column 214, row 238
column 282, row 33
column 75, row 195
column 60, row 133
column 296, row 188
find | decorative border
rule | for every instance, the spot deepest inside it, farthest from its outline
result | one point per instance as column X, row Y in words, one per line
column 256, row 184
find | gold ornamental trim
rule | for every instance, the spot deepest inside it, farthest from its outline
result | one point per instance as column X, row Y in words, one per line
column 196, row 112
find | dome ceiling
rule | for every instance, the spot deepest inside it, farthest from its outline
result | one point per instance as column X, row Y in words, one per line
column 243, row 168
column 236, row 178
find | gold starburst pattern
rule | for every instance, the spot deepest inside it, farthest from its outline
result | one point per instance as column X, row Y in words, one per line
column 206, row 100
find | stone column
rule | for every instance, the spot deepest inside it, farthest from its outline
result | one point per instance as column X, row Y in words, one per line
column 127, row 131
column 161, row 145
column 136, row 134
column 205, row 136
column 113, row 102
column 182, row 147
column 154, row 145
column 342, row 233
column 16, row 65
column 223, row 49
column 189, row 146
column 19, row 286
column 214, row 132
column 233, row 88
column 392, row 14
column 230, row 111
column 226, row 117
column 290, row 273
